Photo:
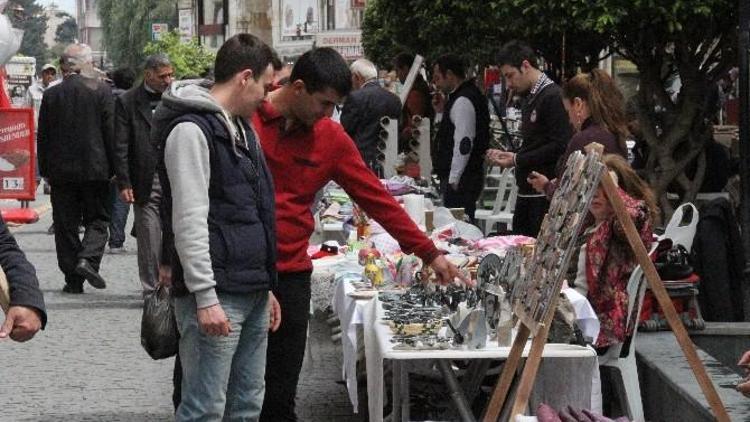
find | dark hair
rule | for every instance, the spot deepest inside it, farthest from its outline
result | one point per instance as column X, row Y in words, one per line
column 276, row 62
column 241, row 52
column 605, row 101
column 156, row 61
column 453, row 63
column 403, row 60
column 513, row 53
column 123, row 77
column 322, row 68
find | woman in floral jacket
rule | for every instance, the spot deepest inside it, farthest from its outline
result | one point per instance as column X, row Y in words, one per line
column 607, row 260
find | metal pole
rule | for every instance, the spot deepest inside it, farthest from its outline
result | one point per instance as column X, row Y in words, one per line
column 455, row 390
column 744, row 44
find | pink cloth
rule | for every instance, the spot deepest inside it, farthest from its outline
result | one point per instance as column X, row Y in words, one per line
column 502, row 243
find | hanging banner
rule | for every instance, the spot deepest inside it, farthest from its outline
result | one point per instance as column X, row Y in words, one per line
column 17, row 154
column 347, row 43
column 299, row 17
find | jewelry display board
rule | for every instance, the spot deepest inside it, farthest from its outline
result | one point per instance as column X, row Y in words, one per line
column 556, row 239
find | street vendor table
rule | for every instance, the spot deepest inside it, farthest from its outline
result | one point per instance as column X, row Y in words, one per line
column 565, row 375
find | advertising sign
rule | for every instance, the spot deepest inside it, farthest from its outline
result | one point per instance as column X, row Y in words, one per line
column 348, row 44
column 17, row 154
column 157, row 30
column 299, row 17
column 20, row 74
column 185, row 18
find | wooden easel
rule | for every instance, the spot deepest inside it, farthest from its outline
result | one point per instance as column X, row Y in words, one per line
column 526, row 326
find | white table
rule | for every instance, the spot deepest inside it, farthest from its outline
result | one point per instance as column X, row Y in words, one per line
column 378, row 347
column 350, row 312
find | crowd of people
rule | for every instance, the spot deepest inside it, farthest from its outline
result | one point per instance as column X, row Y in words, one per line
column 223, row 173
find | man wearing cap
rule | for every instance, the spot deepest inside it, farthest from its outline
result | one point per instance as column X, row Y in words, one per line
column 36, row 91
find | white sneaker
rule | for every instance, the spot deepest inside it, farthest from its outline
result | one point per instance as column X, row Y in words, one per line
column 118, row 251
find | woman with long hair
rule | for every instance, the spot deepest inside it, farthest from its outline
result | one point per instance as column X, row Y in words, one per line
column 596, row 110
column 606, row 260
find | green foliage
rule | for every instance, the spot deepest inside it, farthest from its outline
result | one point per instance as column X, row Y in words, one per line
column 34, row 24
column 476, row 29
column 127, row 27
column 188, row 59
column 67, row 31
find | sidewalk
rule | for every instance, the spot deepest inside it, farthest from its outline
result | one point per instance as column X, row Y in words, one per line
column 88, row 365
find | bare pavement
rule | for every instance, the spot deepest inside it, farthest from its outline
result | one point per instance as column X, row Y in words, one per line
column 88, row 365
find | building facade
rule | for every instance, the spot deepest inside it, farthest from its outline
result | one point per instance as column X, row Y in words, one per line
column 55, row 16
column 291, row 27
column 90, row 28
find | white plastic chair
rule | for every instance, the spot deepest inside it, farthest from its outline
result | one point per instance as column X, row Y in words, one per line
column 505, row 203
column 626, row 364
column 680, row 232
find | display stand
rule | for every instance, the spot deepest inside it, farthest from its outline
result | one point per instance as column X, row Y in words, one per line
column 529, row 324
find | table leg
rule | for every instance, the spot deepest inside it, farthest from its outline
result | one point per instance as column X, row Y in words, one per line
column 396, row 391
column 405, row 394
column 455, row 390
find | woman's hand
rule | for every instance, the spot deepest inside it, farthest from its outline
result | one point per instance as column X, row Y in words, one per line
column 537, row 181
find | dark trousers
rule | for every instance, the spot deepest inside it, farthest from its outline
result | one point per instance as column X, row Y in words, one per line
column 120, row 211
column 464, row 197
column 528, row 216
column 73, row 204
column 286, row 347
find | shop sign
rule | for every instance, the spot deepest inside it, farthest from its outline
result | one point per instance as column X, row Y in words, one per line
column 158, row 30
column 17, row 155
column 348, row 44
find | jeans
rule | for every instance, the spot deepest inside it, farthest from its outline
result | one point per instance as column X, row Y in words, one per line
column 286, row 347
column 222, row 377
column 120, row 210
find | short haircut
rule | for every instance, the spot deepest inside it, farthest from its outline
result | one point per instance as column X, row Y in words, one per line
column 157, row 61
column 242, row 52
column 123, row 77
column 365, row 69
column 75, row 57
column 322, row 68
column 513, row 53
column 403, row 60
column 453, row 63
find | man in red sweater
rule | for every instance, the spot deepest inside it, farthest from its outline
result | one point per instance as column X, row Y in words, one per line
column 305, row 150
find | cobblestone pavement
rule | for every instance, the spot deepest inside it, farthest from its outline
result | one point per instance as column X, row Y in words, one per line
column 88, row 364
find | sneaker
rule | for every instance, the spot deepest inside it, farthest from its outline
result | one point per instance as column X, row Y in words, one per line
column 117, row 250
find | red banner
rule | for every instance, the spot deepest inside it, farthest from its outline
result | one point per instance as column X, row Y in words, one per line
column 17, row 154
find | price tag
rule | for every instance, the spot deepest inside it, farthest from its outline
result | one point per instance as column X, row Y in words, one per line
column 13, row 183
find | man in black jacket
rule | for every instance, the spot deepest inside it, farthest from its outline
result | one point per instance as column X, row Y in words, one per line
column 135, row 163
column 463, row 134
column 26, row 314
column 75, row 153
column 363, row 109
column 545, row 129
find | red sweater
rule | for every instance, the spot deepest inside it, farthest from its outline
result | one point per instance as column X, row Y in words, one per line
column 303, row 162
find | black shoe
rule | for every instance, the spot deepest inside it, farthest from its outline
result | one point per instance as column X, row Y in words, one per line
column 85, row 270
column 73, row 289
column 51, row 229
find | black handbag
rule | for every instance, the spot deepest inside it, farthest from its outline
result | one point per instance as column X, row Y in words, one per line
column 672, row 261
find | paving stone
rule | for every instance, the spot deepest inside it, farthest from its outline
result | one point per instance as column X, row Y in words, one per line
column 88, row 365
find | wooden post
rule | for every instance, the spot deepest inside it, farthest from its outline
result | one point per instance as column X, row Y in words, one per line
column 495, row 406
column 657, row 287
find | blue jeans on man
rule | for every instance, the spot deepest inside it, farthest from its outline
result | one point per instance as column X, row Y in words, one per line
column 223, row 377
column 120, row 211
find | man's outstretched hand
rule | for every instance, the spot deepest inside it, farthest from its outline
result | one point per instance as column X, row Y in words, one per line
column 447, row 273
column 21, row 323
